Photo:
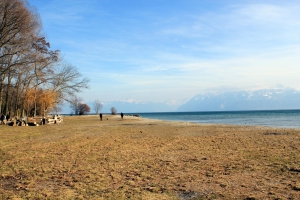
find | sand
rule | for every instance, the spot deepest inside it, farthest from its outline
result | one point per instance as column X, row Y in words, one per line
column 137, row 158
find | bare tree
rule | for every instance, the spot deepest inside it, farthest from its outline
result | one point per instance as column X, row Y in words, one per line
column 31, row 74
column 97, row 105
column 68, row 81
column 56, row 108
column 43, row 65
column 113, row 111
column 75, row 103
column 19, row 24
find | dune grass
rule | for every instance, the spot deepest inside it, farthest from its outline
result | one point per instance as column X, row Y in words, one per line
column 85, row 158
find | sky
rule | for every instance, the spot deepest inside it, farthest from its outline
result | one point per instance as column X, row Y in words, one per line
column 170, row 51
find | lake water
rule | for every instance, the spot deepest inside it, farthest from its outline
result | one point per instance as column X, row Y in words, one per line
column 272, row 118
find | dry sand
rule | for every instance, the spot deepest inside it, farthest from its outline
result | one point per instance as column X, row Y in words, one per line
column 136, row 158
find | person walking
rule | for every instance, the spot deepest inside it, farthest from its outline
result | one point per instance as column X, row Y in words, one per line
column 122, row 115
column 100, row 116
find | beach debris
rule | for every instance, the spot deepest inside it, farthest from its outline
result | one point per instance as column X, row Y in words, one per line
column 17, row 122
column 188, row 195
column 33, row 124
column 55, row 119
column 294, row 169
column 35, row 121
column 296, row 187
column 276, row 133
column 134, row 115
column 250, row 198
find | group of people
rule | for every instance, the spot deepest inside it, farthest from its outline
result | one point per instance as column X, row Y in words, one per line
column 122, row 115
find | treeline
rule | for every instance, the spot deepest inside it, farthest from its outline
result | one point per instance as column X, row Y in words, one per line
column 33, row 78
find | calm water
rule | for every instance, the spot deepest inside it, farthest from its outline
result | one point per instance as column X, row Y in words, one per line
column 274, row 118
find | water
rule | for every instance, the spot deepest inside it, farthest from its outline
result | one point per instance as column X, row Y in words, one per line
column 272, row 118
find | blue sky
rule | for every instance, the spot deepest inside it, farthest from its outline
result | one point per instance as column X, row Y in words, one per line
column 170, row 51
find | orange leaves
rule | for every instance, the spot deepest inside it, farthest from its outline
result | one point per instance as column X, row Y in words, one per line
column 43, row 100
column 47, row 97
column 29, row 99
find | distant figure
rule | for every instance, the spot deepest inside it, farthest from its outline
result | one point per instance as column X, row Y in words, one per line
column 100, row 116
column 43, row 121
column 122, row 115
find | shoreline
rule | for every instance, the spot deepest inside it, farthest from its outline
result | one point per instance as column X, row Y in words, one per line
column 191, row 122
column 281, row 120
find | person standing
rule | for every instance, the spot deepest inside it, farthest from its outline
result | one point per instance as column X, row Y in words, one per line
column 100, row 116
column 122, row 115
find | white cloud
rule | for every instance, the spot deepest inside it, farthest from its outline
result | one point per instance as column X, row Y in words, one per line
column 140, row 51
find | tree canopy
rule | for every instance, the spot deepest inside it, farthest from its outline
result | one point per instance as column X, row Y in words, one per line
column 33, row 78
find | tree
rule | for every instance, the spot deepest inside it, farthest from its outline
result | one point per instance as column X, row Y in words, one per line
column 28, row 101
column 113, row 111
column 32, row 76
column 19, row 24
column 68, row 81
column 56, row 108
column 78, row 106
column 75, row 103
column 97, row 105
column 47, row 100
column 84, row 109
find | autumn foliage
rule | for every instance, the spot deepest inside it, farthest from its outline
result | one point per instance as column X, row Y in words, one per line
column 43, row 99
column 33, row 77
column 84, row 109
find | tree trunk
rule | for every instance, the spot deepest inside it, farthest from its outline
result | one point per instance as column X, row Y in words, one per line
column 1, row 92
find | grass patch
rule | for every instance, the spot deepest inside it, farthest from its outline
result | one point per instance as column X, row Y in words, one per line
column 85, row 158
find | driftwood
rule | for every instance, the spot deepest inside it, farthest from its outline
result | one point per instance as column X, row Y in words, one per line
column 33, row 124
column 16, row 122
column 55, row 119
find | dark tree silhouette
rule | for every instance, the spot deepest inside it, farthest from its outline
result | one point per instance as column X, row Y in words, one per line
column 84, row 109
column 113, row 111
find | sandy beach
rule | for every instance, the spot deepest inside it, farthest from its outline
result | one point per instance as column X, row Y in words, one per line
column 137, row 158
